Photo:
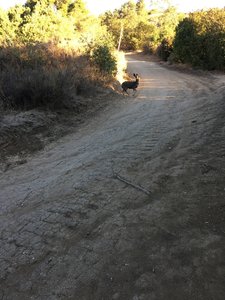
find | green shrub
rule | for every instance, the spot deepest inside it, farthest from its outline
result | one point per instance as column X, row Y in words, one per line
column 185, row 40
column 200, row 39
column 104, row 60
column 173, row 58
column 165, row 49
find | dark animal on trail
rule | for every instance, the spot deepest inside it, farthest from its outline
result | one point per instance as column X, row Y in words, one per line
column 132, row 85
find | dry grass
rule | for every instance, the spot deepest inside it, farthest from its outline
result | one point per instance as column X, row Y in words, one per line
column 46, row 76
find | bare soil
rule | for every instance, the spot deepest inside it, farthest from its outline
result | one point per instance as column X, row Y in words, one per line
column 23, row 133
column 130, row 205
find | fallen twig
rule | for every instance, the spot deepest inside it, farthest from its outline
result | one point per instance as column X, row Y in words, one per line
column 24, row 200
column 138, row 187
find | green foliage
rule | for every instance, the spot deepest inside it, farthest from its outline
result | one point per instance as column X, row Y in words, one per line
column 127, row 18
column 165, row 49
column 103, row 58
column 7, row 32
column 167, row 23
column 44, row 25
column 185, row 41
column 50, row 20
column 200, row 39
column 142, row 28
column 77, row 8
column 43, row 54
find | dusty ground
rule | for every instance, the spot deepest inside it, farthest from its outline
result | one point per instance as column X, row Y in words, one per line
column 22, row 133
column 130, row 206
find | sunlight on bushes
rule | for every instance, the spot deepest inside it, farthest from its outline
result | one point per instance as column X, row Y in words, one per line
column 121, row 65
column 51, row 55
column 52, row 52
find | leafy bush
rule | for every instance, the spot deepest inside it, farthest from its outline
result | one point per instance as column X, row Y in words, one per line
column 200, row 39
column 104, row 60
column 165, row 49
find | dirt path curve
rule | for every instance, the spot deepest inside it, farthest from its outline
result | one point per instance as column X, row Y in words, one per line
column 72, row 229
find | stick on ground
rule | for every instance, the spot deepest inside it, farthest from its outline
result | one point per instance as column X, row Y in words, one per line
column 138, row 187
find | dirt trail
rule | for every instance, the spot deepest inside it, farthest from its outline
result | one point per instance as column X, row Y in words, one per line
column 72, row 229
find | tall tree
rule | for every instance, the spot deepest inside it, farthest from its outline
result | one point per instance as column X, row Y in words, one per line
column 142, row 11
column 80, row 14
column 7, row 32
column 78, row 7
column 43, row 22
column 33, row 4
column 62, row 6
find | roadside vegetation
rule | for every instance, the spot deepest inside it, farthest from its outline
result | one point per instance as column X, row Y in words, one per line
column 197, row 38
column 200, row 40
column 51, row 51
column 51, row 54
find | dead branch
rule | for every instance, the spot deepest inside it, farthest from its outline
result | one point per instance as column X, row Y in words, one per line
column 138, row 187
